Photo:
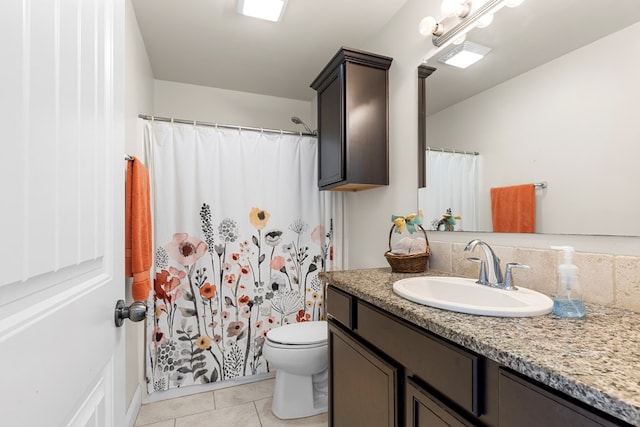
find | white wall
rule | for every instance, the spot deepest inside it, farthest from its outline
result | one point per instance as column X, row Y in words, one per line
column 138, row 83
column 571, row 122
column 370, row 211
column 207, row 104
column 139, row 98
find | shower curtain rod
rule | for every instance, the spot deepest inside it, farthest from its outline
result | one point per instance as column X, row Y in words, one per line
column 219, row 125
column 449, row 150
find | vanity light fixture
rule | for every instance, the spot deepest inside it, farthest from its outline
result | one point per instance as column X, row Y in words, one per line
column 460, row 17
column 269, row 10
column 465, row 54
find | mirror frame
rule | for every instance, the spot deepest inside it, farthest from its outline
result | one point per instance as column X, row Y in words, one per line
column 424, row 71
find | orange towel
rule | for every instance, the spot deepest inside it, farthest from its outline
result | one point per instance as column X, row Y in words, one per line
column 513, row 209
column 137, row 231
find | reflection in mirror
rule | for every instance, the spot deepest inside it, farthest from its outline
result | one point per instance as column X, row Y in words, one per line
column 561, row 107
column 453, row 202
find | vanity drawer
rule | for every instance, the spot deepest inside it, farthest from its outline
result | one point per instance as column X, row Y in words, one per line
column 443, row 366
column 340, row 306
column 524, row 403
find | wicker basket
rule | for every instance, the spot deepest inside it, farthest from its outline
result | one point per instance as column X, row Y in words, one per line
column 412, row 263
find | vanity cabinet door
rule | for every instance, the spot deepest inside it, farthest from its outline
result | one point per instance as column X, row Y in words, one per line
column 524, row 403
column 363, row 387
column 423, row 409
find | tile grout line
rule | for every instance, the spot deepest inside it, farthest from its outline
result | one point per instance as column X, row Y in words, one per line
column 255, row 407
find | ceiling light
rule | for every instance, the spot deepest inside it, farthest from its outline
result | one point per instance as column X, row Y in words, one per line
column 465, row 54
column 269, row 10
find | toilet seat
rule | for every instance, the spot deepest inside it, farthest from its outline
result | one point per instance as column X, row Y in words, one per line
column 302, row 334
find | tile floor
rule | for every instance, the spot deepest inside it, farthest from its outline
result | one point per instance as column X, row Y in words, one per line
column 246, row 405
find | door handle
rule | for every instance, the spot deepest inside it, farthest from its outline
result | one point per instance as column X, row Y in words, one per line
column 135, row 312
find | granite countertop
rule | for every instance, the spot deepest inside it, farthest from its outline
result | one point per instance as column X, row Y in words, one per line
column 595, row 359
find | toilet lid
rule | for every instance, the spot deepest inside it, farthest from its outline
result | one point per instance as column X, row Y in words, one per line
column 299, row 333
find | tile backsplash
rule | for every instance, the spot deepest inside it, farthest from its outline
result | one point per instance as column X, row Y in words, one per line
column 605, row 279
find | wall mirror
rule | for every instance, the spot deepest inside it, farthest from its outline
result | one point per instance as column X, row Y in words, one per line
column 557, row 100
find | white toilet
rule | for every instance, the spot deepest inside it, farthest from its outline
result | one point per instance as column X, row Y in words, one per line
column 299, row 353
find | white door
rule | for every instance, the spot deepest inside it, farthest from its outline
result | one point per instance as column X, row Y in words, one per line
column 61, row 212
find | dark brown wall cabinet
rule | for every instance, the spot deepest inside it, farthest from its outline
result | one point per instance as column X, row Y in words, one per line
column 384, row 371
column 353, row 121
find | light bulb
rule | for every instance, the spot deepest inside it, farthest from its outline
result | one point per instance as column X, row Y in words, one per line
column 449, row 7
column 485, row 21
column 459, row 40
column 429, row 26
column 458, row 8
column 513, row 3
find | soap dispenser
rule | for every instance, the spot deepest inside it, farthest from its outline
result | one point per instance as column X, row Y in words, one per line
column 568, row 300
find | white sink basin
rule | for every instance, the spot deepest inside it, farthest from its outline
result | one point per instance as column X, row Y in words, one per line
column 465, row 296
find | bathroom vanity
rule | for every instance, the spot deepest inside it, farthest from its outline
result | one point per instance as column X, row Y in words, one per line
column 393, row 362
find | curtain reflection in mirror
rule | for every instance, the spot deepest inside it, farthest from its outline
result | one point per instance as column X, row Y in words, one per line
column 450, row 200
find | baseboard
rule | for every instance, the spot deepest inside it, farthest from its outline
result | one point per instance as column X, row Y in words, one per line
column 134, row 407
column 201, row 388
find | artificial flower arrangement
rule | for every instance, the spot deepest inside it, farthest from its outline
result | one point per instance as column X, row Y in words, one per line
column 448, row 221
column 409, row 255
column 409, row 222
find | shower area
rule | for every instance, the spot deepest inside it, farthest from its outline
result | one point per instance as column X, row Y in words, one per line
column 241, row 232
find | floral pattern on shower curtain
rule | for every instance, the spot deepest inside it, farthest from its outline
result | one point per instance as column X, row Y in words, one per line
column 239, row 245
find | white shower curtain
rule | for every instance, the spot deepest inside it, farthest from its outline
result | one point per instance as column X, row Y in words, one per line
column 239, row 242
column 451, row 183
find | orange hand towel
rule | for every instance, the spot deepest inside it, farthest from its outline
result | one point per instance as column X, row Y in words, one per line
column 513, row 209
column 137, row 232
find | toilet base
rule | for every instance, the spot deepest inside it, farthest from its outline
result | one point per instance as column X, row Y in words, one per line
column 297, row 396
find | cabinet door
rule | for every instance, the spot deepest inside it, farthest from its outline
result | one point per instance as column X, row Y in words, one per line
column 331, row 140
column 423, row 409
column 363, row 388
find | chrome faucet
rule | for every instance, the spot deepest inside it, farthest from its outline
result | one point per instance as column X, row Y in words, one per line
column 490, row 273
